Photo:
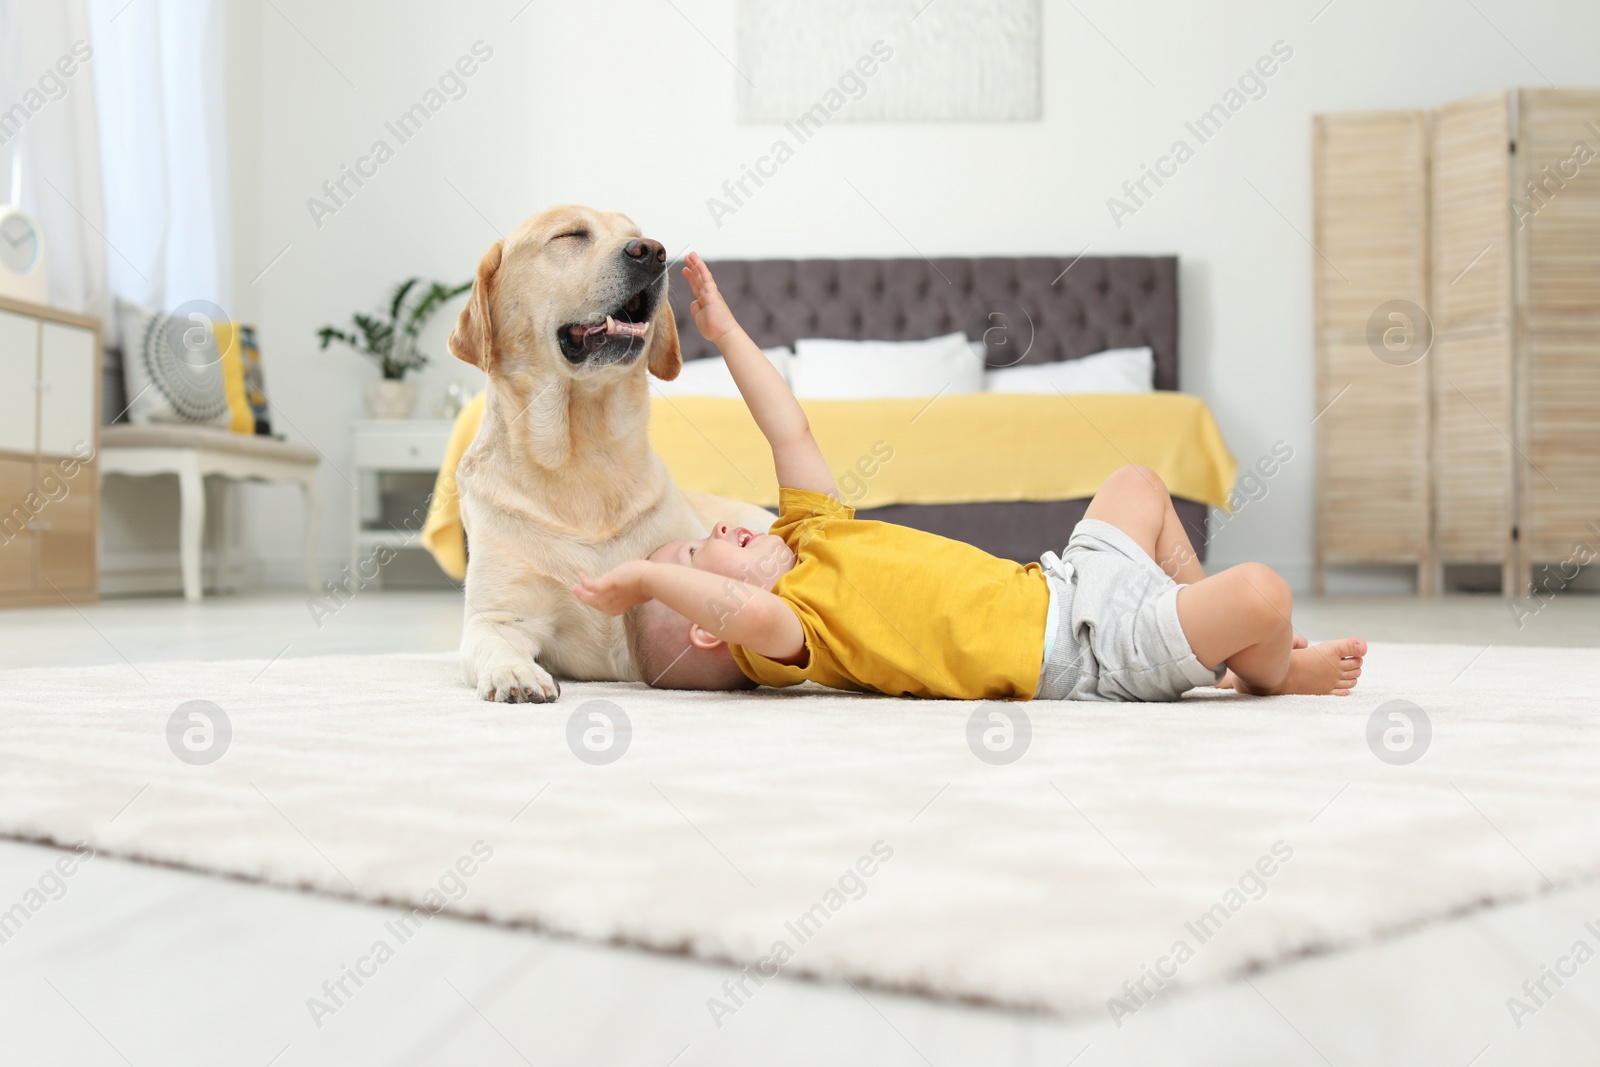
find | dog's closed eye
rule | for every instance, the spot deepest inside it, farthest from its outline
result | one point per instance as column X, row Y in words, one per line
column 582, row 235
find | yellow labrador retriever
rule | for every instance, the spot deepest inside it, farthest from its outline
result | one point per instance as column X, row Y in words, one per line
column 566, row 316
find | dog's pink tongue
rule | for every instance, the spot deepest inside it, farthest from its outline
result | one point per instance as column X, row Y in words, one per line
column 609, row 328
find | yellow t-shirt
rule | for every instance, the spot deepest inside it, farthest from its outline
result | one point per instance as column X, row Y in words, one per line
column 893, row 610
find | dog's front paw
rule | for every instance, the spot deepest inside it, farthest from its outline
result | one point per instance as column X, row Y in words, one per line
column 517, row 683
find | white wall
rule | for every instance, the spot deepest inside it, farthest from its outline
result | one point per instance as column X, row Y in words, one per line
column 623, row 104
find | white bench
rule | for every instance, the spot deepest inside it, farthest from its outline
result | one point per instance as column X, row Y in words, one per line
column 194, row 452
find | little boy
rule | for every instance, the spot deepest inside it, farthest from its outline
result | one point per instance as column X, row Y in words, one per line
column 1125, row 613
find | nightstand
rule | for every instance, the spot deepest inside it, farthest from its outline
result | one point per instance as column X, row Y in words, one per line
column 391, row 446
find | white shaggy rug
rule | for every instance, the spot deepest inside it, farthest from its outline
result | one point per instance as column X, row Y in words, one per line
column 734, row 824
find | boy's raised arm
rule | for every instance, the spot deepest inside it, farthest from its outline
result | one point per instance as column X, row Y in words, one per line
column 795, row 455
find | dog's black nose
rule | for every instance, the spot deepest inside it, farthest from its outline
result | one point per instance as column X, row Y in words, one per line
column 646, row 253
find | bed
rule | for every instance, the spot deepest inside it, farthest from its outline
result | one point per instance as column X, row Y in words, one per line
column 1075, row 307
column 1011, row 474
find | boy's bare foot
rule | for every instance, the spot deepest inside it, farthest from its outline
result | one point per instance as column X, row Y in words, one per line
column 1330, row 668
column 1230, row 682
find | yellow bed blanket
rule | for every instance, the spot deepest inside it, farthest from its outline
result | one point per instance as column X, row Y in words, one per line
column 950, row 450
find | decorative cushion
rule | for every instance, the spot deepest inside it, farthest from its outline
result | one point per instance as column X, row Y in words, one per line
column 254, row 381
column 233, row 377
column 172, row 369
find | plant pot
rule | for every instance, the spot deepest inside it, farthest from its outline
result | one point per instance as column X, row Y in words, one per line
column 389, row 399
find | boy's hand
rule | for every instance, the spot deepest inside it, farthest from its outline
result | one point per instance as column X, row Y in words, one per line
column 617, row 590
column 711, row 314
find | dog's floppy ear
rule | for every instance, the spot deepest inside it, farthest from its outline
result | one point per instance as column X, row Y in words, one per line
column 664, row 356
column 472, row 341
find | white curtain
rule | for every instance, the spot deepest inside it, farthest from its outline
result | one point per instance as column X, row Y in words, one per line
column 125, row 169
column 51, row 154
column 160, row 67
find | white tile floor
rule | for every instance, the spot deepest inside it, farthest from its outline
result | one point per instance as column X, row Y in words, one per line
column 143, row 965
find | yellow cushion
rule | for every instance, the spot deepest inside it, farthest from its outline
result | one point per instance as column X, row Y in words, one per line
column 244, row 419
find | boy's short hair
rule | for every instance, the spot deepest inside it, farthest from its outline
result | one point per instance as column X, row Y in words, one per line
column 658, row 642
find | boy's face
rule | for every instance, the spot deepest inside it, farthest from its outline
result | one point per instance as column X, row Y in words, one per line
column 733, row 552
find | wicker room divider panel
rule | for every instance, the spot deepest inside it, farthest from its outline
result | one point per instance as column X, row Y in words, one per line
column 1369, row 174
column 1457, row 274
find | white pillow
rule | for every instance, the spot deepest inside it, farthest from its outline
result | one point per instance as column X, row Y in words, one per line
column 711, row 377
column 858, row 370
column 1116, row 370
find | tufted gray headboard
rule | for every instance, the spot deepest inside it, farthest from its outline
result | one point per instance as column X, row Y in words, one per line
column 1099, row 303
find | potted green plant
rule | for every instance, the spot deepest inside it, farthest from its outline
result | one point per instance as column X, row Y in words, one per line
column 390, row 341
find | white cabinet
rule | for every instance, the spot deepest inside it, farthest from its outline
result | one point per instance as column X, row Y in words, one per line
column 384, row 446
column 49, row 444
column 69, row 364
column 19, row 358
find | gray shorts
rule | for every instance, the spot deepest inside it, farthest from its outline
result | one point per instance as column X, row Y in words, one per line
column 1116, row 633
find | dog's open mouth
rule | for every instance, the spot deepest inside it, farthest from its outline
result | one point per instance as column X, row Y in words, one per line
column 627, row 325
